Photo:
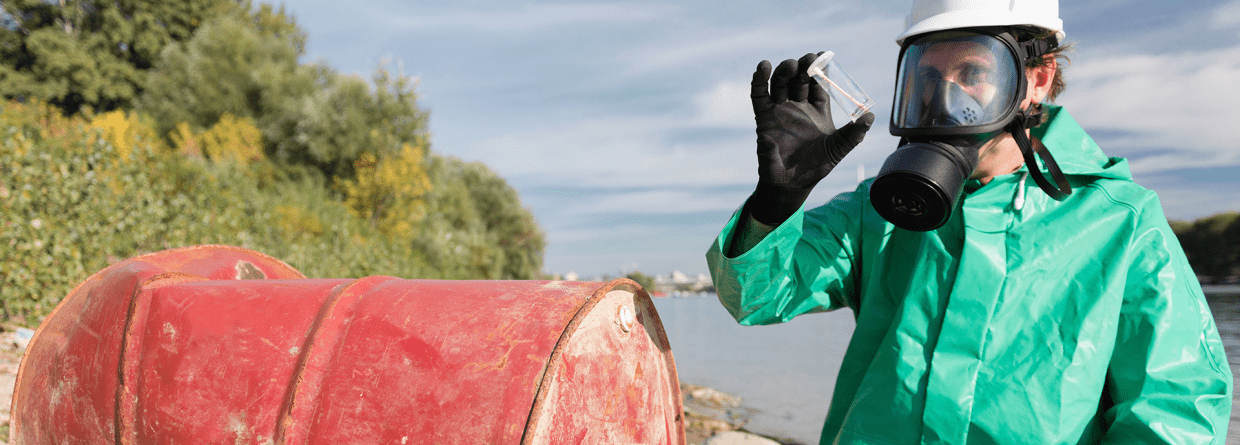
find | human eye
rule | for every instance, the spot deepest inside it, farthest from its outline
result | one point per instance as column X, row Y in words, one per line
column 929, row 73
column 971, row 75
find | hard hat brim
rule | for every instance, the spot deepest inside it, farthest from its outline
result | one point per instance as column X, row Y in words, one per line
column 970, row 18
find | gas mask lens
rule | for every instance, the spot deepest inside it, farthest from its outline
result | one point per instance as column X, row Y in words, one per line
column 955, row 79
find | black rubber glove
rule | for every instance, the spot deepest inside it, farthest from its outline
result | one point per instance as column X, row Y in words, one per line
column 797, row 142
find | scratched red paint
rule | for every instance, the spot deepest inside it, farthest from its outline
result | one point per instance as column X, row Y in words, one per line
column 173, row 347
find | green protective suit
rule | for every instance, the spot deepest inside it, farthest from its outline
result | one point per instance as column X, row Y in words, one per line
column 1034, row 322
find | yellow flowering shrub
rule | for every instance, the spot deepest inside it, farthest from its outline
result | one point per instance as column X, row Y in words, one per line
column 185, row 142
column 295, row 221
column 126, row 130
column 390, row 193
column 229, row 140
column 233, row 140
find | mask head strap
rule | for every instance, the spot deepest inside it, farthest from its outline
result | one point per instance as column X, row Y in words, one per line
column 1025, row 120
column 1034, row 48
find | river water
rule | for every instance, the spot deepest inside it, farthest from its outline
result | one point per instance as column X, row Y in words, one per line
column 787, row 372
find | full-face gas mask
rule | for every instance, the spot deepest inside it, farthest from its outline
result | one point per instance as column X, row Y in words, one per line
column 956, row 90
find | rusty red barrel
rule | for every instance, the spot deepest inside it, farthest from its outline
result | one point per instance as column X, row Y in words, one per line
column 217, row 344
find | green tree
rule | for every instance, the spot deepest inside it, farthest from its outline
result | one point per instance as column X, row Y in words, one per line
column 646, row 281
column 345, row 118
column 244, row 63
column 475, row 225
column 90, row 53
column 1212, row 244
column 510, row 225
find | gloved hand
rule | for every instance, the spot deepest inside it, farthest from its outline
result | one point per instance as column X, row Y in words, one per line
column 797, row 142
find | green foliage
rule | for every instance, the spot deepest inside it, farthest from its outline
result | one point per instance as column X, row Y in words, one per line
column 89, row 53
column 246, row 64
column 346, row 119
column 72, row 204
column 231, row 65
column 1212, row 245
column 646, row 281
column 312, row 231
column 476, row 226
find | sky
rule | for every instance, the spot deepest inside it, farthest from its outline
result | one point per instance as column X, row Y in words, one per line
column 626, row 127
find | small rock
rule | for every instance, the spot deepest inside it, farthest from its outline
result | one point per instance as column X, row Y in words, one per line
column 709, row 412
column 703, row 403
column 18, row 339
column 710, row 397
column 738, row 438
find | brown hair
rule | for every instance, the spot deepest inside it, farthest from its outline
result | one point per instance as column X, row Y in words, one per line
column 1058, row 55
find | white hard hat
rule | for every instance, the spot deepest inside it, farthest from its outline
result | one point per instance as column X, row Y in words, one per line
column 938, row 15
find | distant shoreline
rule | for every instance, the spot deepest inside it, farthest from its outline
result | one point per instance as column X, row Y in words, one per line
column 1218, row 290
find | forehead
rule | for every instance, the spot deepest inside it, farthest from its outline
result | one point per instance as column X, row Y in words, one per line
column 949, row 53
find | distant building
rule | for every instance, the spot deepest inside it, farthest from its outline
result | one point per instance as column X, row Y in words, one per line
column 677, row 281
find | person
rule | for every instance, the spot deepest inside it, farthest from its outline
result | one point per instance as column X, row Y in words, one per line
column 998, row 310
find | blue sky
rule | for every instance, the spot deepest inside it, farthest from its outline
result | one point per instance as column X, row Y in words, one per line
column 626, row 128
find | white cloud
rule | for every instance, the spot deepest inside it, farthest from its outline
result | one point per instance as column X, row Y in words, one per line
column 725, row 105
column 664, row 201
column 1226, row 16
column 865, row 41
column 1184, row 102
column 621, row 227
column 614, row 152
column 515, row 16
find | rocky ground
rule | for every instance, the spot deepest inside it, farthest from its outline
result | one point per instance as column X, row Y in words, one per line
column 12, row 344
column 716, row 418
column 711, row 417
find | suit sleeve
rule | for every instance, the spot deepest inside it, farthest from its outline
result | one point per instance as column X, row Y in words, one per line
column 805, row 265
column 1169, row 380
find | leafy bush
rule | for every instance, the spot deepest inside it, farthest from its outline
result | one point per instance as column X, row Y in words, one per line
column 1212, row 245
column 233, row 140
column 72, row 202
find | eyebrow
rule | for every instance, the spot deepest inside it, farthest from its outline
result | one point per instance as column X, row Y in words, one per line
column 978, row 60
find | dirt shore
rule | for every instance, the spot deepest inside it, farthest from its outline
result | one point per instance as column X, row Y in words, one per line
column 10, row 356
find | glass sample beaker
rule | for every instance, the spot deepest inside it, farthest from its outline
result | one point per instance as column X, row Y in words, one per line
column 843, row 90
